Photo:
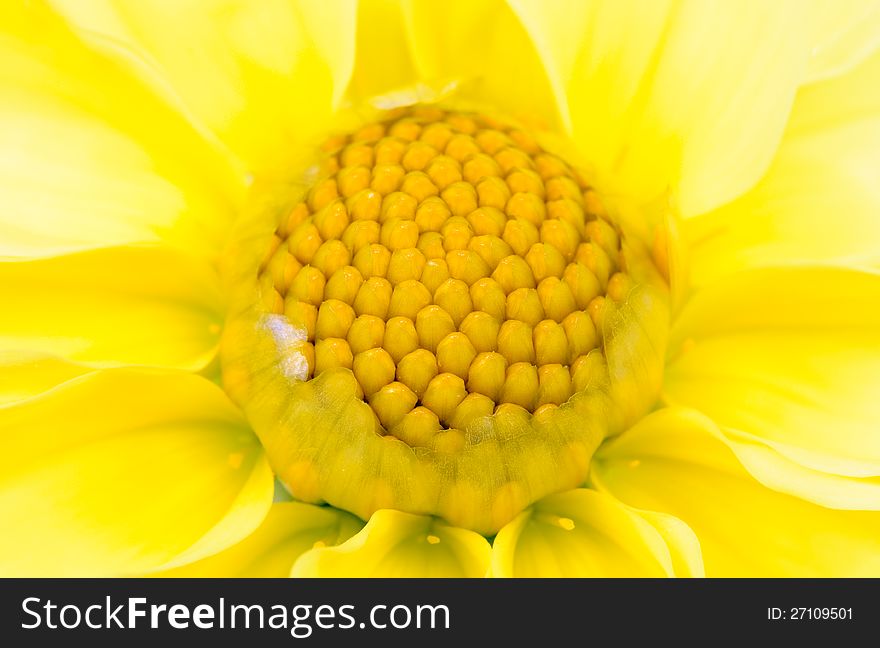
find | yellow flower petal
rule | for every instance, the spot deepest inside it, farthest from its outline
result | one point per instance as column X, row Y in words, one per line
column 121, row 472
column 395, row 545
column 383, row 62
column 483, row 46
column 584, row 533
column 689, row 95
column 24, row 374
column 263, row 76
column 147, row 306
column 768, row 463
column 90, row 156
column 681, row 541
column 290, row 529
column 787, row 355
column 846, row 32
column 675, row 461
column 820, row 198
column 421, row 51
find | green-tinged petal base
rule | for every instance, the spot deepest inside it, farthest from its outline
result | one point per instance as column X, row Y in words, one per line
column 289, row 530
column 584, row 533
column 395, row 544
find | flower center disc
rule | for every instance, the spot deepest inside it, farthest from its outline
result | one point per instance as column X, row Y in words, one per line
column 431, row 322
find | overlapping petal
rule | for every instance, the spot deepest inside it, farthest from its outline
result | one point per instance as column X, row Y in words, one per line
column 395, row 544
column 123, row 472
column 584, row 533
column 91, row 156
column 289, row 530
column 487, row 51
column 777, row 466
column 686, row 96
column 477, row 52
column 845, row 33
column 790, row 356
column 677, row 461
column 820, row 199
column 114, row 306
column 383, row 62
column 264, row 77
column 25, row 374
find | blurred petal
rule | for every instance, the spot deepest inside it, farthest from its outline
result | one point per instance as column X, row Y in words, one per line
column 290, row 529
column 400, row 545
column 681, row 541
column 583, row 533
column 485, row 47
column 25, row 374
column 383, row 61
column 90, row 156
column 770, row 464
column 676, row 461
column 846, row 32
column 263, row 76
column 691, row 95
column 145, row 306
column 428, row 47
column 820, row 199
column 790, row 356
column 121, row 472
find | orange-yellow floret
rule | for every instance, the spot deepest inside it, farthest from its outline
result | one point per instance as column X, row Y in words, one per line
column 454, row 267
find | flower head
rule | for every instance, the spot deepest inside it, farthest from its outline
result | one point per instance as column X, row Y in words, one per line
column 503, row 288
column 443, row 323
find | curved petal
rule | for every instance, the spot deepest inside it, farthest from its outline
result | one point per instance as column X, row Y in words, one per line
column 26, row 374
column 775, row 465
column 846, row 32
column 484, row 47
column 121, row 472
column 787, row 355
column 263, row 76
column 690, row 95
column 681, row 541
column 114, row 306
column 90, row 156
column 289, row 530
column 676, row 461
column 383, row 62
column 819, row 201
column 422, row 50
column 584, row 533
column 400, row 545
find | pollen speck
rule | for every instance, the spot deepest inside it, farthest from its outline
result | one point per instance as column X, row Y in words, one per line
column 566, row 523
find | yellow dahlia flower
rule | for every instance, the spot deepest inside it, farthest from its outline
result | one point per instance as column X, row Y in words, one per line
column 440, row 288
